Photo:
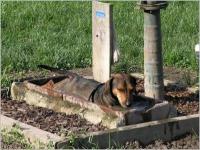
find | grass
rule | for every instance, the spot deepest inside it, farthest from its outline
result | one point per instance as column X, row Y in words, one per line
column 15, row 137
column 59, row 34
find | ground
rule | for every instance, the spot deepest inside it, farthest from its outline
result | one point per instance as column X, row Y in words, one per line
column 13, row 138
column 61, row 37
column 64, row 125
column 185, row 142
column 67, row 125
column 13, row 145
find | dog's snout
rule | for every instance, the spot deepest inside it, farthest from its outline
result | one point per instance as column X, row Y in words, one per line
column 128, row 103
column 134, row 93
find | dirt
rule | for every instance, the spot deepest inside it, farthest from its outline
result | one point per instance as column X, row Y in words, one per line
column 182, row 76
column 187, row 141
column 186, row 102
column 62, row 124
column 12, row 145
column 47, row 119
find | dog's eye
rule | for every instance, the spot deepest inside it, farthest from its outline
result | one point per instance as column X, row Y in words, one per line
column 132, row 90
column 121, row 90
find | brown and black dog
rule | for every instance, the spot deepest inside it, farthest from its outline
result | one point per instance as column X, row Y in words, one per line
column 119, row 90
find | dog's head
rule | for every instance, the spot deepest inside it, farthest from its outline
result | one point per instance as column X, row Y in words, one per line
column 122, row 86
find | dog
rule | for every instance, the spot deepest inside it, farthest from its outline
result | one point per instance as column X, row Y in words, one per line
column 118, row 90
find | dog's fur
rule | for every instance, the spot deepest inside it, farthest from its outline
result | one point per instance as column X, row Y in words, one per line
column 119, row 90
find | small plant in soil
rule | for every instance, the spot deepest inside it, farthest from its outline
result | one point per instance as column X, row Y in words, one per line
column 188, row 80
column 16, row 137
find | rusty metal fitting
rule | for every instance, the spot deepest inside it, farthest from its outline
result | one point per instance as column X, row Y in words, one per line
column 152, row 5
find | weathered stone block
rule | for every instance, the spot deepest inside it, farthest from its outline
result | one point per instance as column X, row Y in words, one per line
column 38, row 93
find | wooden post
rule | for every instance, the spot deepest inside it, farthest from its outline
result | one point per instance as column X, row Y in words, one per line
column 101, row 40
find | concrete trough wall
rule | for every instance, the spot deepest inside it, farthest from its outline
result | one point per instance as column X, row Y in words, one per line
column 39, row 93
column 56, row 102
column 31, row 133
column 165, row 130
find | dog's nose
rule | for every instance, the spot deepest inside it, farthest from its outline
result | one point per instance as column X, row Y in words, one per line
column 128, row 104
column 134, row 93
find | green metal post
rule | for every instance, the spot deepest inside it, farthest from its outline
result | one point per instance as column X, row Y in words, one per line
column 153, row 64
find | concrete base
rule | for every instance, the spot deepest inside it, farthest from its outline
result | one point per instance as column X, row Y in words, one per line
column 166, row 130
column 32, row 134
column 35, row 92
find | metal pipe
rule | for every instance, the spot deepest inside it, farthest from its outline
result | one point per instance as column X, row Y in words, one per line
column 153, row 64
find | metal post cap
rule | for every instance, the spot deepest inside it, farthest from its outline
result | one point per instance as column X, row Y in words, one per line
column 152, row 5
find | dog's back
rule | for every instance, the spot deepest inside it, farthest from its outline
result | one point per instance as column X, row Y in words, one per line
column 78, row 85
column 118, row 90
column 73, row 84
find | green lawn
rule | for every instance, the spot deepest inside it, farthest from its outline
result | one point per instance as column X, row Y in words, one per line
column 59, row 34
column 13, row 138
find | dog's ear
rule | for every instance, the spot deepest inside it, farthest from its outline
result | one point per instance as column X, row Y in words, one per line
column 133, row 80
column 108, row 86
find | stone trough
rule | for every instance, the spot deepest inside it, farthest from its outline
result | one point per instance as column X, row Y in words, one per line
column 42, row 92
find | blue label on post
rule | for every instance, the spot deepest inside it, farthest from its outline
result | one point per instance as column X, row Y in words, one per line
column 100, row 14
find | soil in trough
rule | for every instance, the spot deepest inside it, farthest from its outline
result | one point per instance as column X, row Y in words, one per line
column 187, row 141
column 47, row 119
column 186, row 102
column 62, row 124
